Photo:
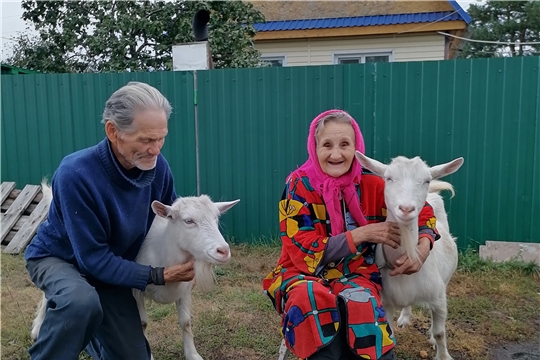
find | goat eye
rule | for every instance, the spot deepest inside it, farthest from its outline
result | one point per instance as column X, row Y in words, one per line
column 189, row 221
column 427, row 182
column 389, row 179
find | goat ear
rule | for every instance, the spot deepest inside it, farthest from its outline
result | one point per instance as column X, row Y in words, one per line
column 161, row 209
column 224, row 206
column 439, row 171
column 371, row 164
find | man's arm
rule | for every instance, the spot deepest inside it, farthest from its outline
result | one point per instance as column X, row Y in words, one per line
column 79, row 214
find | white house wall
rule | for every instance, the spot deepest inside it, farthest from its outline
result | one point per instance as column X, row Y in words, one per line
column 301, row 52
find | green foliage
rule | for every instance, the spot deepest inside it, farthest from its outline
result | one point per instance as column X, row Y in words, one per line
column 30, row 52
column 504, row 21
column 110, row 36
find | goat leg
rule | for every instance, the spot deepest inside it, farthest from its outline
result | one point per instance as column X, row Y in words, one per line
column 405, row 317
column 183, row 304
column 139, row 298
column 40, row 316
column 389, row 309
column 437, row 330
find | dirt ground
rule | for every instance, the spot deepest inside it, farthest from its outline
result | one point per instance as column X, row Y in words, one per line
column 526, row 351
column 494, row 314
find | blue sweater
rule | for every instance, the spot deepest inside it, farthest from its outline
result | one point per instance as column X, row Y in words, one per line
column 100, row 216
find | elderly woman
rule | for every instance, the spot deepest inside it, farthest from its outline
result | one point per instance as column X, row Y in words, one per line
column 326, row 284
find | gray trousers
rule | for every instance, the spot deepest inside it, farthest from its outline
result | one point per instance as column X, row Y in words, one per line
column 104, row 322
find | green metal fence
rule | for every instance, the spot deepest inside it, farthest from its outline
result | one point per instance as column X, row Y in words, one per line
column 485, row 110
column 45, row 117
column 237, row 133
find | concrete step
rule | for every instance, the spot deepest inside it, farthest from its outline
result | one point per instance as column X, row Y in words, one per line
column 500, row 251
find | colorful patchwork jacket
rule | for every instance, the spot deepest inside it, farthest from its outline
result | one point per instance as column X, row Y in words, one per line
column 304, row 231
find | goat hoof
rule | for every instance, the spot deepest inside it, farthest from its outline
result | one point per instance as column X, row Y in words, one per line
column 444, row 357
column 402, row 323
column 194, row 357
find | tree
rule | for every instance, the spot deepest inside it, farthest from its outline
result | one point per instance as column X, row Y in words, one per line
column 512, row 22
column 31, row 52
column 78, row 36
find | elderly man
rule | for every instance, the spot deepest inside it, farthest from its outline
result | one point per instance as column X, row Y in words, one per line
column 82, row 256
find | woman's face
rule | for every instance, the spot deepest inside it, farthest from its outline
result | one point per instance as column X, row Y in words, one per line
column 335, row 148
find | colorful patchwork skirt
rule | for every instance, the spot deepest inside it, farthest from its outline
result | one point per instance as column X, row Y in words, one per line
column 310, row 317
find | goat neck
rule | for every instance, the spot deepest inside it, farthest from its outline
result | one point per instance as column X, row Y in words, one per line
column 409, row 240
column 170, row 251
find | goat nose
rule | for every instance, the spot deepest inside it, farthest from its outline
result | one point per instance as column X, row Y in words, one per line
column 223, row 251
column 406, row 209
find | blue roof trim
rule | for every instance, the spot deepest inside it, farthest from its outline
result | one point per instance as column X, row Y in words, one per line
column 460, row 10
column 342, row 22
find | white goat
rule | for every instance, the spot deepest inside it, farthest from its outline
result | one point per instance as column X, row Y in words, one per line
column 408, row 185
column 185, row 230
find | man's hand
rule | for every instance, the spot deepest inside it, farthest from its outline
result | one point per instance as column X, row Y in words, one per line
column 406, row 266
column 182, row 272
column 386, row 233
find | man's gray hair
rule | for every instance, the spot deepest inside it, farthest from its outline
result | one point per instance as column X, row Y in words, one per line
column 136, row 96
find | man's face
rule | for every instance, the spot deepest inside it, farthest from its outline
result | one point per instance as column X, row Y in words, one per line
column 141, row 146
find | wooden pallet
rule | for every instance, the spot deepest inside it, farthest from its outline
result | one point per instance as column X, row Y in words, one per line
column 22, row 212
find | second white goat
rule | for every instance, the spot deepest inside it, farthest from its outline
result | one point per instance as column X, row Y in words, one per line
column 409, row 183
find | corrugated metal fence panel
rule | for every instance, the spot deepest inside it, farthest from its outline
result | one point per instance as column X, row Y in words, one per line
column 513, row 155
column 38, row 117
column 179, row 148
column 359, row 95
column 483, row 110
column 414, row 112
column 438, row 110
column 253, row 131
column 535, row 213
column 45, row 117
column 253, row 124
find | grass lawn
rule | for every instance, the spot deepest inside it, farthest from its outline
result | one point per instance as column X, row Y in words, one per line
column 488, row 304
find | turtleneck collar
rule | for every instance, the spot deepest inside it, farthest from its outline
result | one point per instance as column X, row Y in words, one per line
column 116, row 172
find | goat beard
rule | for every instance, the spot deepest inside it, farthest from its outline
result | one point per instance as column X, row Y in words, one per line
column 204, row 276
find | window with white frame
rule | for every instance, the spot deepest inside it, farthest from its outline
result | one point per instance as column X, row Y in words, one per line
column 362, row 58
column 274, row 60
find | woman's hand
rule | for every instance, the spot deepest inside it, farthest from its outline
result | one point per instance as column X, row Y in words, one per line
column 182, row 272
column 386, row 233
column 406, row 266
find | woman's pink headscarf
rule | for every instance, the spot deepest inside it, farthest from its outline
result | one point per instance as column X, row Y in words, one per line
column 332, row 188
